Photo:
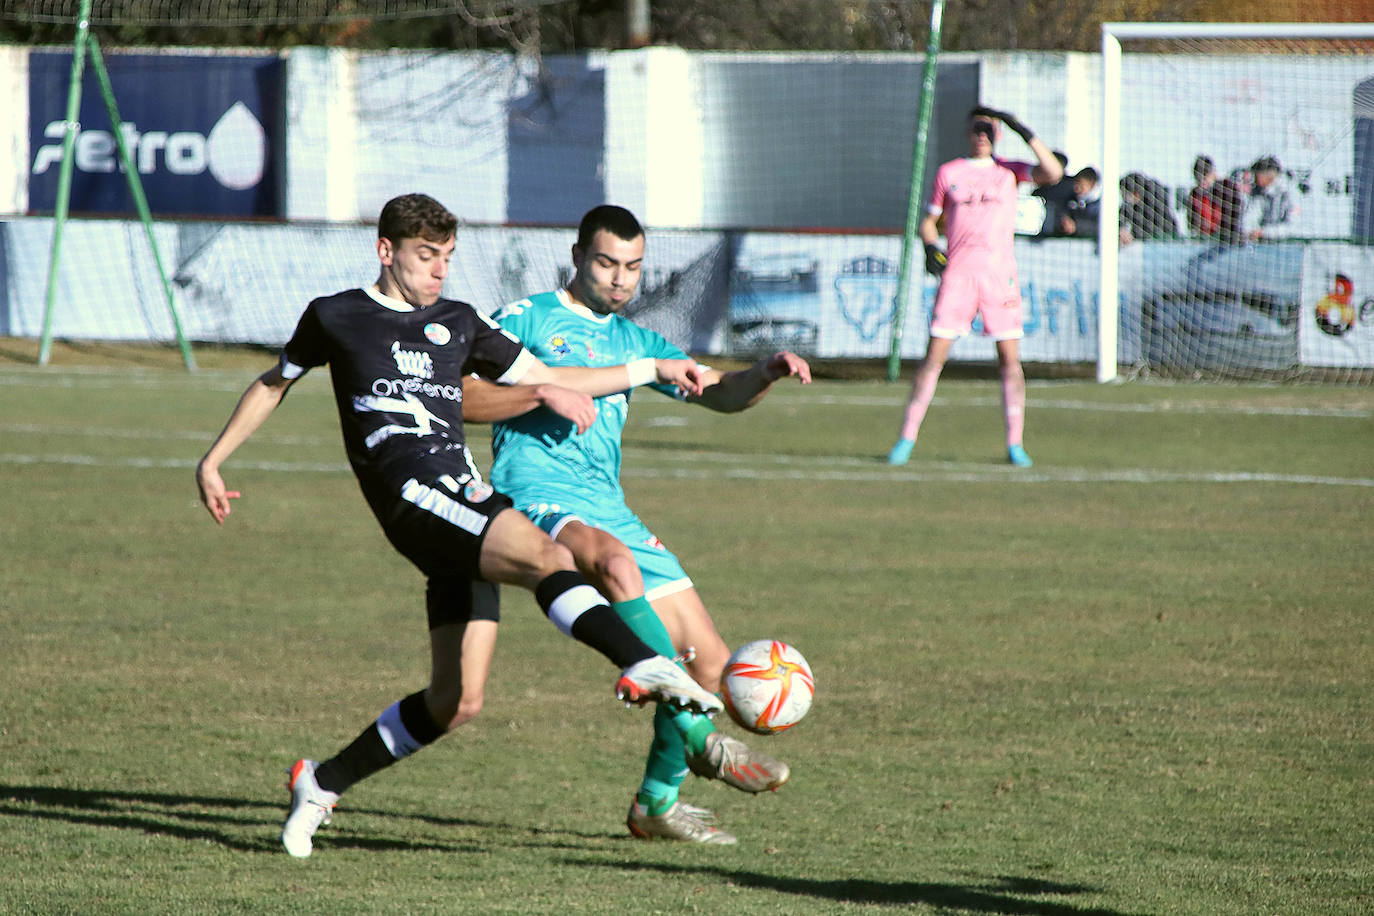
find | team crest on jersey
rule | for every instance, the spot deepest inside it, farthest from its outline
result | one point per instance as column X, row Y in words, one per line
column 477, row 491
column 559, row 346
column 654, row 543
column 437, row 334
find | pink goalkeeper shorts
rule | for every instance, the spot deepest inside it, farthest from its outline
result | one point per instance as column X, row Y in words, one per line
column 993, row 295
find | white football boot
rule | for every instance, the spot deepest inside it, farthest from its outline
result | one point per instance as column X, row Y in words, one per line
column 659, row 679
column 311, row 808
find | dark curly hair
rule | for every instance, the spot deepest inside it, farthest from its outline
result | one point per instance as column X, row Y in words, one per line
column 413, row 216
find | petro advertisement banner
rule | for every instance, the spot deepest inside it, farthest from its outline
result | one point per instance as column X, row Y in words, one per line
column 203, row 132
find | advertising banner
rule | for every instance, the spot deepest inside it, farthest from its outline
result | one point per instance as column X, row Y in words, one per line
column 202, row 132
column 835, row 296
column 1336, row 322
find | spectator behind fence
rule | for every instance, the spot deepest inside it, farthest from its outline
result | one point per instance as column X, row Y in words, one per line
column 1204, row 208
column 1145, row 210
column 1230, row 195
column 1269, row 208
column 1055, row 197
column 1081, row 212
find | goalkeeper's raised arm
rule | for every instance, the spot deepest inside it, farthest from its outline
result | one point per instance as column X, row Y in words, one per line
column 1048, row 169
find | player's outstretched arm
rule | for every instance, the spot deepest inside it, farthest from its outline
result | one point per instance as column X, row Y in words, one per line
column 603, row 380
column 729, row 392
column 255, row 406
column 487, row 402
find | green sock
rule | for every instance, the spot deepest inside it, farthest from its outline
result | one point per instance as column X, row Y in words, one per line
column 666, row 766
column 695, row 728
column 676, row 732
column 657, row 804
column 639, row 616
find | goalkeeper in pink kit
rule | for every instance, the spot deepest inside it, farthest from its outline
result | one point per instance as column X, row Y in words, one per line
column 977, row 197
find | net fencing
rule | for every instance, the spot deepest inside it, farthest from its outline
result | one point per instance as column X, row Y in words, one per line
column 774, row 185
column 771, row 147
column 1244, row 170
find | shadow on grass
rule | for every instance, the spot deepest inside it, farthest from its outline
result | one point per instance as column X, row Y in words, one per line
column 248, row 825
column 235, row 823
column 1004, row 894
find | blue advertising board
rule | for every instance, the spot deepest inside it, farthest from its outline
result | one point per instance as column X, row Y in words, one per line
column 204, row 133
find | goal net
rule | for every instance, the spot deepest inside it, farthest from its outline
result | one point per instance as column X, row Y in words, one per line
column 1238, row 205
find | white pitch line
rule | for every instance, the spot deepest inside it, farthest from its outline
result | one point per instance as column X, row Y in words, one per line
column 221, row 381
column 1162, row 407
column 996, row 475
column 121, row 432
column 818, row 468
column 104, row 461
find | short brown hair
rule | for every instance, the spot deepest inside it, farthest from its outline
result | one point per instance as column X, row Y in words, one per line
column 415, row 216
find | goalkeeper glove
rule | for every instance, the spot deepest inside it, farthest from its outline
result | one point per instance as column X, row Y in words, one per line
column 935, row 259
column 1008, row 119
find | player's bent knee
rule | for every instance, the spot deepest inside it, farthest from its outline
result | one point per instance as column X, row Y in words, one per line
column 450, row 712
column 617, row 568
column 468, row 709
column 708, row 667
column 554, row 557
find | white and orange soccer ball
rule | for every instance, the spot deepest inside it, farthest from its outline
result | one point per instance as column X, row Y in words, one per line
column 768, row 686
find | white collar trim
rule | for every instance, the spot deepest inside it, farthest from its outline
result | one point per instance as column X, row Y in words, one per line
column 385, row 301
column 578, row 308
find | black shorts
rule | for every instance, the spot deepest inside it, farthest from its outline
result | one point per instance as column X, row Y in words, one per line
column 440, row 525
column 458, row 599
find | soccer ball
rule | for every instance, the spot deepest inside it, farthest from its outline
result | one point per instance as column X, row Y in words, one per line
column 768, row 686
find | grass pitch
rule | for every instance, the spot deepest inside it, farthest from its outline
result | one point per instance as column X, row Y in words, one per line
column 1135, row 679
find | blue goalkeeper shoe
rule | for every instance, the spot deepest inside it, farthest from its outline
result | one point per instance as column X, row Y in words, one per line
column 901, row 451
column 1016, row 455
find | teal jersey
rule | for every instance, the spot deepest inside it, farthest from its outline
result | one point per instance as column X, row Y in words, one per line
column 539, row 457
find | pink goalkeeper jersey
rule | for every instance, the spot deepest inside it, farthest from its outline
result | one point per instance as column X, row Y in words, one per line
column 978, row 198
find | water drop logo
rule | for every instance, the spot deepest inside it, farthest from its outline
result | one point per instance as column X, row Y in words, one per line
column 237, row 149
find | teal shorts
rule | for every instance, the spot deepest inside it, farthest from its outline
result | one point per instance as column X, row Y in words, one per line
column 663, row 574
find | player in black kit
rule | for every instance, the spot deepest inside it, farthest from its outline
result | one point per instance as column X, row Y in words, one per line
column 397, row 354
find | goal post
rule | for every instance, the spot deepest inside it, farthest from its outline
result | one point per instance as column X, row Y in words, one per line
column 1233, row 268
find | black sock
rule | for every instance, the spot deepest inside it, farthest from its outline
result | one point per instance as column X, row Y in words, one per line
column 605, row 631
column 595, row 625
column 369, row 752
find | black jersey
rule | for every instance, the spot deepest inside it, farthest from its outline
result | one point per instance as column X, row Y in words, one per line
column 398, row 375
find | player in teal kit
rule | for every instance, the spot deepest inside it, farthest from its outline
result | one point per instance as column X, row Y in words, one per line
column 569, row 484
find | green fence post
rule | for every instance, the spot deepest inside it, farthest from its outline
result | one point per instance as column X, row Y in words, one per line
column 918, row 168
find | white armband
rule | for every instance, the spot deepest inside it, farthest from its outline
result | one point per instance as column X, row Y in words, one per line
column 642, row 371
